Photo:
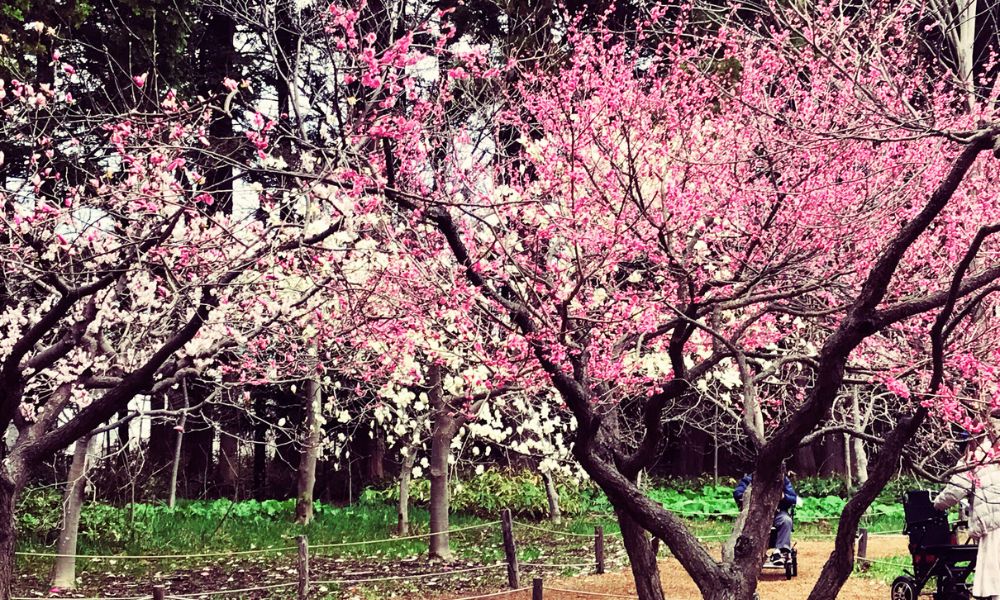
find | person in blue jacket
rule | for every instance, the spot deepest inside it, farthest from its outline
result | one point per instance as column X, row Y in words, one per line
column 782, row 520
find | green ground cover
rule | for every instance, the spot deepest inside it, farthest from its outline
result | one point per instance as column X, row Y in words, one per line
column 195, row 527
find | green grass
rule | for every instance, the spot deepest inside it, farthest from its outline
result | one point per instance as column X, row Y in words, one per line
column 886, row 569
column 221, row 525
column 205, row 526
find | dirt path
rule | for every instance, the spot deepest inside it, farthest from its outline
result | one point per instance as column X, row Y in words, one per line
column 773, row 585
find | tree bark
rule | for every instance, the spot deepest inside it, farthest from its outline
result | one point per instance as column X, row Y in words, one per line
column 9, row 491
column 217, row 54
column 403, row 527
column 376, row 458
column 860, row 454
column 64, row 568
column 199, row 442
column 259, row 447
column 848, row 475
column 841, row 562
column 160, row 432
column 441, row 436
column 123, row 435
column 228, row 467
column 309, row 453
column 641, row 558
column 555, row 515
column 175, row 467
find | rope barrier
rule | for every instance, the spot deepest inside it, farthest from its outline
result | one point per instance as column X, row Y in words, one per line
column 558, row 532
column 91, row 598
column 401, row 538
column 157, row 556
column 558, row 565
column 582, row 593
column 494, row 594
column 242, row 552
column 705, row 514
column 811, row 536
column 400, row 577
column 275, row 586
column 357, row 581
column 880, row 562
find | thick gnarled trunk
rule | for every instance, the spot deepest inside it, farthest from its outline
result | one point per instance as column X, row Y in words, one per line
column 11, row 483
column 840, row 565
column 8, row 539
column 641, row 557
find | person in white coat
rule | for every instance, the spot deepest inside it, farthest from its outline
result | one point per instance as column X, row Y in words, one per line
column 979, row 481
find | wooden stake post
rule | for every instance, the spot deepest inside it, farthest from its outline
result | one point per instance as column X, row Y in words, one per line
column 303, row 589
column 536, row 589
column 509, row 548
column 599, row 548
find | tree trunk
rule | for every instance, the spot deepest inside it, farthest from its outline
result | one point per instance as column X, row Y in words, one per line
column 123, row 436
column 199, row 442
column 172, row 493
column 443, row 432
column 841, row 562
column 553, row 496
column 161, row 433
column 198, row 469
column 64, row 568
column 848, row 476
column 228, row 468
column 860, row 454
column 217, row 53
column 830, row 450
column 309, row 453
column 403, row 527
column 376, row 458
column 641, row 557
column 259, row 447
column 227, row 416
column 440, row 502
column 8, row 533
column 715, row 447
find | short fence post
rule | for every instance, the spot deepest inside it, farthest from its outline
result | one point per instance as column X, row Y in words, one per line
column 159, row 592
column 303, row 591
column 536, row 589
column 599, row 548
column 863, row 550
column 509, row 548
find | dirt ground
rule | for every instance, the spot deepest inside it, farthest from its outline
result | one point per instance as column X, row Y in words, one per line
column 467, row 582
column 773, row 585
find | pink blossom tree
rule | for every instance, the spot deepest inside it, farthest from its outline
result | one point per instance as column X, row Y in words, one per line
column 118, row 280
column 778, row 200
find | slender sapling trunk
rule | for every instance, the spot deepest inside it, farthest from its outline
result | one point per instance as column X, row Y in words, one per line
column 64, row 568
column 310, row 452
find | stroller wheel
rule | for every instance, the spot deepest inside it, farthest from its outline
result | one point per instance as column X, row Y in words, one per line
column 904, row 588
column 795, row 563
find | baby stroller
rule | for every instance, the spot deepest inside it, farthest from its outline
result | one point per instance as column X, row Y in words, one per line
column 935, row 551
column 789, row 563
